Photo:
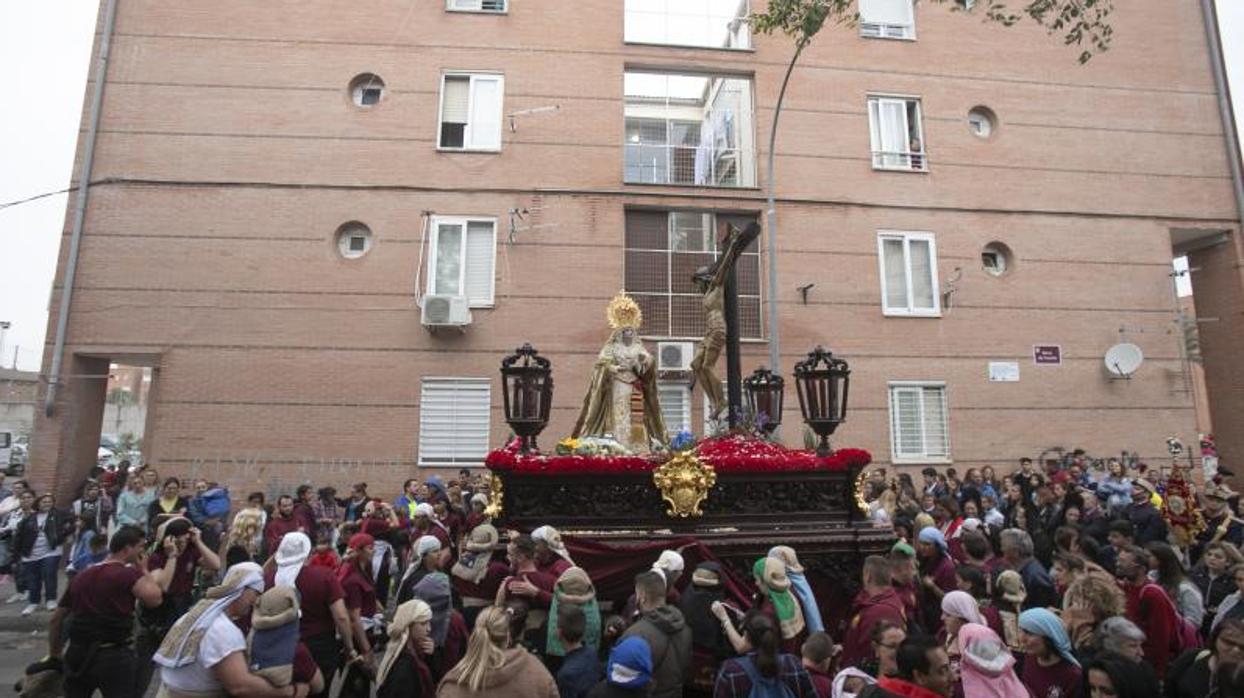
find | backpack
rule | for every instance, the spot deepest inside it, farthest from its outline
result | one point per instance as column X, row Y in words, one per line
column 1186, row 635
column 763, row 687
column 216, row 503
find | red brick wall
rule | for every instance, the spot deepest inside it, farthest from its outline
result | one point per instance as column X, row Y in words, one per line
column 239, row 155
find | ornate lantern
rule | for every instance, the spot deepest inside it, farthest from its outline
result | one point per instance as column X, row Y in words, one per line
column 765, row 391
column 822, row 381
column 527, row 385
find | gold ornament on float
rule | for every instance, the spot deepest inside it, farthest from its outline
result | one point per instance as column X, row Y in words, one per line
column 624, row 313
column 496, row 492
column 861, row 485
column 684, row 482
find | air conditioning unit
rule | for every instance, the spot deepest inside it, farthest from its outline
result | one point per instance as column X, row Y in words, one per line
column 675, row 356
column 445, row 311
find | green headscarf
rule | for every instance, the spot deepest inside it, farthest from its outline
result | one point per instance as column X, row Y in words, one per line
column 574, row 588
column 771, row 572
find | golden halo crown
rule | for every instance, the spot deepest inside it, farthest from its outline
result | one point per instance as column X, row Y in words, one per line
column 624, row 313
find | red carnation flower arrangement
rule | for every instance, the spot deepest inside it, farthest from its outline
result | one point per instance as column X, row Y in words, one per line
column 727, row 454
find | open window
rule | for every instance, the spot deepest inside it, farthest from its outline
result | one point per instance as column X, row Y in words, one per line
column 462, row 259
column 689, row 129
column 887, row 19
column 896, row 134
column 470, row 117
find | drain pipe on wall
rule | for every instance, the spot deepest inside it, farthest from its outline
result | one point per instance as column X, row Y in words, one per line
column 79, row 213
column 1209, row 11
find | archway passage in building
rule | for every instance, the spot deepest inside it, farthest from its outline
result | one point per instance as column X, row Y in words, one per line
column 100, row 417
column 125, row 415
column 1214, row 332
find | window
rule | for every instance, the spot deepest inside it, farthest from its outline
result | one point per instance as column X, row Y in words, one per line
column 453, row 421
column 895, row 132
column 675, row 406
column 996, row 259
column 981, row 121
column 689, row 129
column 908, row 274
column 699, row 23
column 461, row 259
column 353, row 240
column 918, row 422
column 497, row 6
column 663, row 250
column 471, row 111
column 366, row 90
column 887, row 19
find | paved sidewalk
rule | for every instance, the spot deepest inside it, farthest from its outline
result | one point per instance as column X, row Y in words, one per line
column 22, row 639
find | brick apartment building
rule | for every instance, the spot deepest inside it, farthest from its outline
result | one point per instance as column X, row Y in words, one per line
column 279, row 187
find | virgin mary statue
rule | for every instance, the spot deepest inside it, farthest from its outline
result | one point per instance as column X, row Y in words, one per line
column 623, row 368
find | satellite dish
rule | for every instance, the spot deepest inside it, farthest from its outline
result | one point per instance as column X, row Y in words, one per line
column 1122, row 360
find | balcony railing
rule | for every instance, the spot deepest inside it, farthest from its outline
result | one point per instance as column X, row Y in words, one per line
column 915, row 161
column 686, row 164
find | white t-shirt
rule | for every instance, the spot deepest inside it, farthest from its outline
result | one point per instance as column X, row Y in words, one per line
column 41, row 549
column 223, row 638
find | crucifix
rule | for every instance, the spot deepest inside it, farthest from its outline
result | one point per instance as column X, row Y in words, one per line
column 721, row 323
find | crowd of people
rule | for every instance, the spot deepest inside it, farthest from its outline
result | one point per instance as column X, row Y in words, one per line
column 1050, row 582
column 1055, row 581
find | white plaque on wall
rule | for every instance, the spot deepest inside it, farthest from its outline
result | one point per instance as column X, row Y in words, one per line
column 1003, row 372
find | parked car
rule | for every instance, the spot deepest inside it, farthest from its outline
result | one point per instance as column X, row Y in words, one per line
column 18, row 457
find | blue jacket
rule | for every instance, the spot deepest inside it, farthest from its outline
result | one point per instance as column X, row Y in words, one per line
column 580, row 671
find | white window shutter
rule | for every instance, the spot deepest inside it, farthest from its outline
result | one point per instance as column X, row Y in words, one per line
column 456, row 100
column 480, row 255
column 675, row 407
column 454, row 421
column 484, row 127
column 936, row 437
column 905, row 423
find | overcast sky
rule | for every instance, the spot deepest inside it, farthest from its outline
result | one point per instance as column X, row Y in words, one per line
column 44, row 50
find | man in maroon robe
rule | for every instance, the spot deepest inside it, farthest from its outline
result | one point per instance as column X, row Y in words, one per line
column 876, row 602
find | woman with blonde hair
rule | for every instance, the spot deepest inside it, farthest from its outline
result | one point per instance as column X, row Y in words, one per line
column 1089, row 600
column 492, row 668
column 881, row 510
column 241, row 543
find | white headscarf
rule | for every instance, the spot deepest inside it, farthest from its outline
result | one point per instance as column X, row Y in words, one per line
column 427, row 544
column 670, row 563
column 553, row 539
column 423, row 546
column 292, row 554
column 407, row 614
column 840, row 680
column 181, row 645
